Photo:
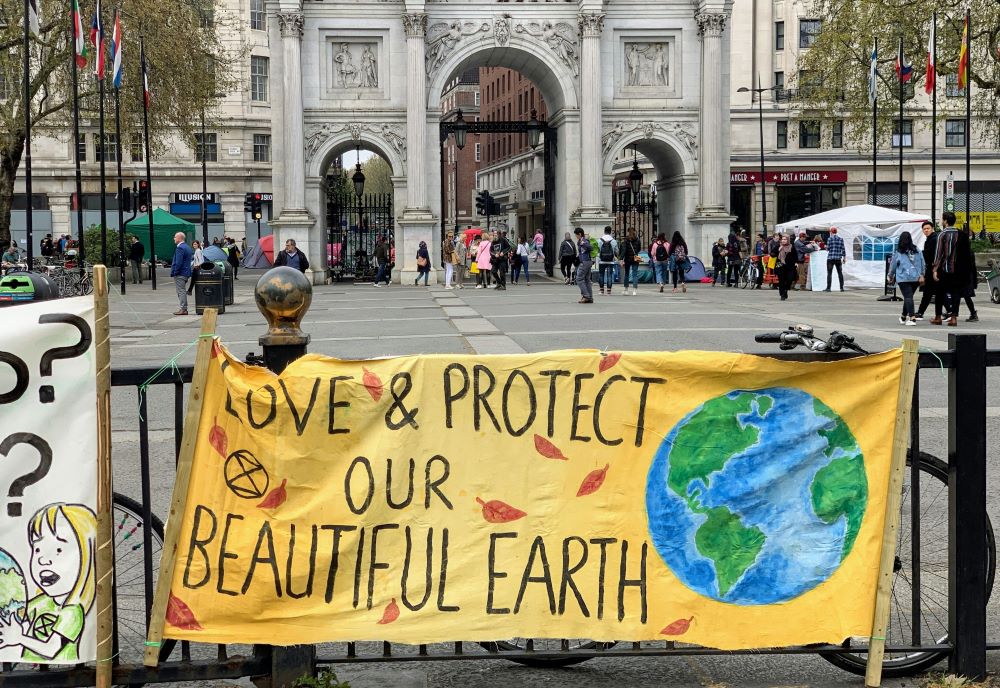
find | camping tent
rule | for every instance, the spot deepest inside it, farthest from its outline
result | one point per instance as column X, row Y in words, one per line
column 255, row 257
column 165, row 226
column 870, row 234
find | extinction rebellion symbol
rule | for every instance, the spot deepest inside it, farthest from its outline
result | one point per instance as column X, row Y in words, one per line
column 245, row 476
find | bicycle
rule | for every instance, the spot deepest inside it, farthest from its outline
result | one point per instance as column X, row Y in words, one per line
column 933, row 568
column 750, row 273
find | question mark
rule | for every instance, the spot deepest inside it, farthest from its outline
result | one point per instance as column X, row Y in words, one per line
column 20, row 378
column 46, row 393
column 44, row 463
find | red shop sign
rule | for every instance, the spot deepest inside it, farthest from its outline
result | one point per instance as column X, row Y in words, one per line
column 791, row 177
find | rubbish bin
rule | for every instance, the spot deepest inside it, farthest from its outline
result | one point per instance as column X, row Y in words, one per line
column 208, row 288
column 227, row 280
column 19, row 287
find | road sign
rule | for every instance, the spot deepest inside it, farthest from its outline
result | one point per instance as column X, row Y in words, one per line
column 949, row 188
column 949, row 204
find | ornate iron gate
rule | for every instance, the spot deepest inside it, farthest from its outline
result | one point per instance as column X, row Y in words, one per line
column 354, row 224
column 641, row 216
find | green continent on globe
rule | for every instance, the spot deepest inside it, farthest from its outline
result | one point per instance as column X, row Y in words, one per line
column 841, row 487
column 732, row 546
column 709, row 439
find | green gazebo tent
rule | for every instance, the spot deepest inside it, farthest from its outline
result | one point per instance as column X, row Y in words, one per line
column 165, row 226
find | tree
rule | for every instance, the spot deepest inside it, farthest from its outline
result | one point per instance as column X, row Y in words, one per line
column 377, row 175
column 188, row 66
column 833, row 77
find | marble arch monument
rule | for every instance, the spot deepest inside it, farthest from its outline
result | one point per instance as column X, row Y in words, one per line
column 614, row 73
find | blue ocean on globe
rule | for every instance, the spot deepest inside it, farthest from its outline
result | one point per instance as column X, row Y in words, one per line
column 756, row 497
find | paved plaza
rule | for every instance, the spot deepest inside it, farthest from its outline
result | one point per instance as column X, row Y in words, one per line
column 361, row 321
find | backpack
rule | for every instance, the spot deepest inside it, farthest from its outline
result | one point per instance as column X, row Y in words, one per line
column 680, row 253
column 661, row 252
column 607, row 252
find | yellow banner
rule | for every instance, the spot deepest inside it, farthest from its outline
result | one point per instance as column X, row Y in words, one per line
column 721, row 499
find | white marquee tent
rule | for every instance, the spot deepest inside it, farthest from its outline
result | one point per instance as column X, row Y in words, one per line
column 870, row 233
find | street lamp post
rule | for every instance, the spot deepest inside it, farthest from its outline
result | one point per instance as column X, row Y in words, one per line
column 461, row 131
column 760, row 115
column 635, row 188
column 204, row 181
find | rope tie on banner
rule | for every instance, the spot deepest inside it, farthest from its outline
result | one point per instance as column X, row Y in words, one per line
column 152, row 643
column 171, row 365
column 933, row 353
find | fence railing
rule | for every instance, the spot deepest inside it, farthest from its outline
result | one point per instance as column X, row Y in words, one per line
column 941, row 592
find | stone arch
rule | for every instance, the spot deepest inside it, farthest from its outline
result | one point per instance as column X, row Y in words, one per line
column 524, row 54
column 338, row 143
column 665, row 150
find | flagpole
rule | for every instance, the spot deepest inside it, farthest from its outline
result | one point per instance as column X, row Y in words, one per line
column 968, row 121
column 934, row 188
column 28, row 220
column 901, row 84
column 149, row 175
column 104, row 208
column 80, row 254
column 875, row 136
column 121, row 211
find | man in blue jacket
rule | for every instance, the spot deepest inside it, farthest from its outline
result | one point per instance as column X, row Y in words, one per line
column 180, row 270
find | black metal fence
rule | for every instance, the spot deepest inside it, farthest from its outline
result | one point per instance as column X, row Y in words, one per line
column 944, row 567
column 355, row 223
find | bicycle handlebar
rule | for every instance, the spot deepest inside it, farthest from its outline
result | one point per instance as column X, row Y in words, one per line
column 768, row 338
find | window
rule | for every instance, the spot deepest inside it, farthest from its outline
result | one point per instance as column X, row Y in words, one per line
column 837, row 134
column 258, row 78
column 782, row 141
column 207, row 13
column 779, row 35
column 907, row 133
column 808, row 83
column 887, row 195
column 210, row 146
column 136, row 148
column 258, row 20
column 262, row 148
column 808, row 31
column 951, row 87
column 5, row 90
column 876, row 249
column 81, row 147
column 809, row 131
column 954, row 133
column 779, row 80
column 108, row 151
column 477, row 98
column 479, row 152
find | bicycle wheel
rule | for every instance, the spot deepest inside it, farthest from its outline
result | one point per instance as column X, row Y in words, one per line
column 130, row 587
column 933, row 579
column 544, row 646
column 745, row 277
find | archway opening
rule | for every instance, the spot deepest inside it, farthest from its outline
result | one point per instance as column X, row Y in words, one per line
column 648, row 189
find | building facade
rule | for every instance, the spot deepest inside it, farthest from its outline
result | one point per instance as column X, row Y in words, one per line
column 460, row 165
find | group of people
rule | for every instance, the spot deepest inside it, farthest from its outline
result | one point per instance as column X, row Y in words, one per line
column 490, row 256
column 187, row 258
column 56, row 247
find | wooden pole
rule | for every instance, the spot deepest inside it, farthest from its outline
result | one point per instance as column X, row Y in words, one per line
column 196, row 399
column 900, row 439
column 105, row 534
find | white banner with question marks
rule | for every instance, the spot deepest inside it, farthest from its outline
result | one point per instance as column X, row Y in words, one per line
column 48, row 481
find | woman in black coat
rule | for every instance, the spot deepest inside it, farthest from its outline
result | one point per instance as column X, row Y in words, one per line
column 785, row 266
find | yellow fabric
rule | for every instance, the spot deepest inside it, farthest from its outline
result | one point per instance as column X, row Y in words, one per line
column 474, row 268
column 771, row 262
column 307, row 429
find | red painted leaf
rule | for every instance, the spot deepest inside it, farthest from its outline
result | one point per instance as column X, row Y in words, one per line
column 495, row 511
column 373, row 383
column 608, row 361
column 275, row 497
column 180, row 615
column 678, row 627
column 547, row 449
column 217, row 437
column 215, row 348
column 592, row 483
column 391, row 612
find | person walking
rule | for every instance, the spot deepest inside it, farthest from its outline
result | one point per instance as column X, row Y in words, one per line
column 539, row 243
column 521, row 254
column 760, row 255
column 970, row 289
column 423, row 264
column 734, row 260
column 483, row 261
column 630, row 257
column 584, row 266
column 659, row 253
column 607, row 258
column 930, row 285
column 836, row 256
column 180, row 270
column 906, row 269
column 679, row 262
column 567, row 257
column 233, row 256
column 448, row 258
column 291, row 257
column 381, row 257
column 785, row 266
column 952, row 263
column 135, row 253
column 718, row 261
column 461, row 255
column 803, row 247
column 500, row 248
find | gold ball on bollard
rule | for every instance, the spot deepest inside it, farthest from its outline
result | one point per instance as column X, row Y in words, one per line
column 283, row 296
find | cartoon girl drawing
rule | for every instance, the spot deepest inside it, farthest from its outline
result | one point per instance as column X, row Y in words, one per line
column 62, row 538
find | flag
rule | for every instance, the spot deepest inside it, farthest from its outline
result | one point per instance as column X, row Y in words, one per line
column 873, row 76
column 146, row 95
column 116, row 53
column 97, row 40
column 79, row 42
column 33, row 17
column 903, row 70
column 963, row 56
column 931, row 60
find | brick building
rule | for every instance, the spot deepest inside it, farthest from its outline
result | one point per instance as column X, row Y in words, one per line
column 459, row 167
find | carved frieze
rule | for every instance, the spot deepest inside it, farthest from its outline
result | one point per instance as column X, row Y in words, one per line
column 444, row 36
column 559, row 36
column 391, row 134
column 683, row 132
column 711, row 23
column 290, row 24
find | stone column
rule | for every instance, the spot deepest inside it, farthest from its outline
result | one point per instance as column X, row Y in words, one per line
column 290, row 24
column 591, row 25
column 415, row 26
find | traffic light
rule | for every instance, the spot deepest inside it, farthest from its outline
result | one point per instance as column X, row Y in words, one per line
column 494, row 207
column 252, row 204
column 482, row 202
column 125, row 200
column 248, row 203
column 143, row 200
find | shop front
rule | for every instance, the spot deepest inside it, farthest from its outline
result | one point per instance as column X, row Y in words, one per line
column 187, row 206
column 796, row 194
